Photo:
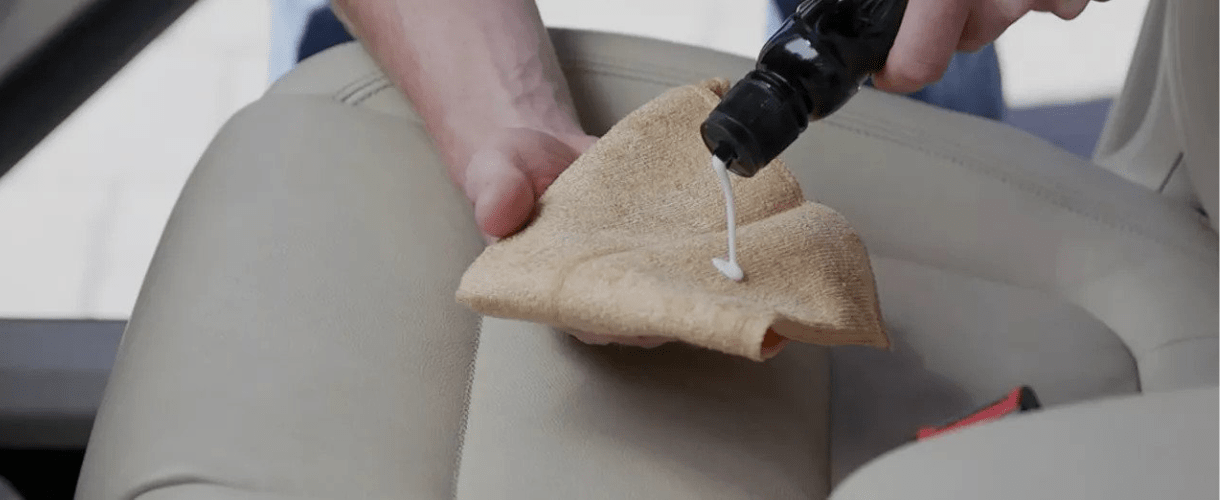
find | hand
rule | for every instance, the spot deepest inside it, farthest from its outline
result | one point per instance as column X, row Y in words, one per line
column 496, row 105
column 505, row 177
column 932, row 30
column 504, row 180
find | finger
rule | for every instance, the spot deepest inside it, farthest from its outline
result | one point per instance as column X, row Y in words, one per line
column 1066, row 9
column 989, row 19
column 502, row 195
column 581, row 143
column 925, row 44
column 542, row 156
column 987, row 22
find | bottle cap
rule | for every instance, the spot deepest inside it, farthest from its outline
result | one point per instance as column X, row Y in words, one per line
column 757, row 119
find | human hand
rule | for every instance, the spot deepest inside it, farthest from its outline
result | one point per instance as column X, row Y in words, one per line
column 505, row 176
column 932, row 30
column 504, row 179
column 496, row 105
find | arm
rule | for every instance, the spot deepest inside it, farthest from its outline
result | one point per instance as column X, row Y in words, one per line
column 485, row 79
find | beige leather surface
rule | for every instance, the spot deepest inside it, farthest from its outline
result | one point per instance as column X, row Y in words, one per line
column 1151, row 446
column 297, row 335
column 960, row 343
column 1162, row 129
column 553, row 418
column 1141, row 141
column 973, row 197
column 1193, row 68
column 288, row 340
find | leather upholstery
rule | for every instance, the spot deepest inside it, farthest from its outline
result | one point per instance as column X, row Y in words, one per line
column 1193, row 65
column 1148, row 446
column 1162, row 130
column 297, row 336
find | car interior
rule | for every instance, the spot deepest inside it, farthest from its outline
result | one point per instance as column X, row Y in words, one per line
column 269, row 354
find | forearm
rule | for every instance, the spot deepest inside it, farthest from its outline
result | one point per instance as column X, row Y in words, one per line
column 470, row 67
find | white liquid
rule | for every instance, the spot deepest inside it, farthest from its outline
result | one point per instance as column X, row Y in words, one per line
column 728, row 268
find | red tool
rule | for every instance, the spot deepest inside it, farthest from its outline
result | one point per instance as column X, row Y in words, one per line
column 1021, row 399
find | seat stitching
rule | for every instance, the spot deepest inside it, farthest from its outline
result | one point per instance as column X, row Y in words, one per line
column 188, row 479
column 637, row 67
column 381, row 83
column 1023, row 186
column 614, row 68
column 886, row 252
column 384, row 84
column 364, row 78
column 355, row 91
column 345, row 92
column 1175, row 341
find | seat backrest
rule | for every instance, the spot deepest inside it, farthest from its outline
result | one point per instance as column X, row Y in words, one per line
column 1162, row 131
column 1192, row 66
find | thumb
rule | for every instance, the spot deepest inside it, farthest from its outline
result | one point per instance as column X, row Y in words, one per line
column 502, row 195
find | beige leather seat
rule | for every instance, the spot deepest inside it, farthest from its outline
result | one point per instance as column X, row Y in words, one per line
column 297, row 337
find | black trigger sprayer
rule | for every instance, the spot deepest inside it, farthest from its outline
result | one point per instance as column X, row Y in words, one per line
column 817, row 60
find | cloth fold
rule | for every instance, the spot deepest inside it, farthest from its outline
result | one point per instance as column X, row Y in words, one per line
column 623, row 242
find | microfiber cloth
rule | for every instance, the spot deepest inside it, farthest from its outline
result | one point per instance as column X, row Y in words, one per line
column 623, row 242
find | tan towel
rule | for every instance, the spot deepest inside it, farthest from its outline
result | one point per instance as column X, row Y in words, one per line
column 624, row 240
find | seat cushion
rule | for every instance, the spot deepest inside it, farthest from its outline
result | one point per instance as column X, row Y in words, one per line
column 288, row 342
column 550, row 417
column 1001, row 260
column 1128, row 448
column 961, row 342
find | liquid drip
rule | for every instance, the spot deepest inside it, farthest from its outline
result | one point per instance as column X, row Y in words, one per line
column 728, row 268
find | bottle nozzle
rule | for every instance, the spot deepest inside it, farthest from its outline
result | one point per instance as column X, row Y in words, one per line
column 756, row 120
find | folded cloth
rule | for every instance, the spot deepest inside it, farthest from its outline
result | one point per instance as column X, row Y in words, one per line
column 623, row 242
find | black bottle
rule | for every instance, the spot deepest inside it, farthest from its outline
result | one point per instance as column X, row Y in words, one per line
column 817, row 60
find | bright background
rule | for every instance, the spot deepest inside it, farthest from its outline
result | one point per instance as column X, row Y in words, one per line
column 82, row 213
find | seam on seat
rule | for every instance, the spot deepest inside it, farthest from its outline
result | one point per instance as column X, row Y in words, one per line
column 369, row 78
column 180, row 479
column 632, row 69
column 354, row 92
column 380, row 83
column 888, row 252
column 885, row 252
column 614, row 67
column 1176, row 341
column 1048, row 195
column 364, row 88
column 464, row 421
column 359, row 97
